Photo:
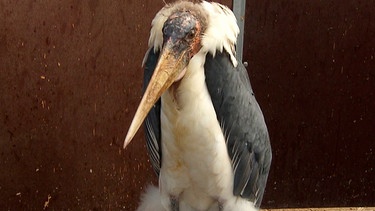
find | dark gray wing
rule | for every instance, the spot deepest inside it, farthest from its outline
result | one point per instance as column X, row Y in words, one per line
column 152, row 122
column 243, row 124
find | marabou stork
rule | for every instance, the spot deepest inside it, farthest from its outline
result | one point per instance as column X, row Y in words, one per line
column 206, row 135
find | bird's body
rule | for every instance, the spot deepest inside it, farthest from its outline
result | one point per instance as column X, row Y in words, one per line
column 206, row 134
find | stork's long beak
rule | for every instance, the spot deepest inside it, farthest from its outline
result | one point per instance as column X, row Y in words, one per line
column 170, row 68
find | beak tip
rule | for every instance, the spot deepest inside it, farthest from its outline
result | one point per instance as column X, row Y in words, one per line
column 126, row 141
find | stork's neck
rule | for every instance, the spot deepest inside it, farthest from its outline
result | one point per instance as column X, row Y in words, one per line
column 192, row 86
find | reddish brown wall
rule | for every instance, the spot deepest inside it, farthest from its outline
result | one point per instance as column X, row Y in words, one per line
column 71, row 79
column 312, row 67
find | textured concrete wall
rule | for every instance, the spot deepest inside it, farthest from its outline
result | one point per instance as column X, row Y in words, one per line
column 70, row 81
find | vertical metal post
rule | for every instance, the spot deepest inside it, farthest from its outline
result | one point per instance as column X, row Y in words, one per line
column 239, row 7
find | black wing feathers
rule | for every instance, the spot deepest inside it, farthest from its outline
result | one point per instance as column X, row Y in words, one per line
column 242, row 121
column 152, row 122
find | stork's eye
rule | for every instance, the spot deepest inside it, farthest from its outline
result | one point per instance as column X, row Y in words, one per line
column 190, row 34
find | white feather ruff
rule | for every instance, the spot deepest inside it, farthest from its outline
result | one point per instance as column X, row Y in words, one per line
column 222, row 30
